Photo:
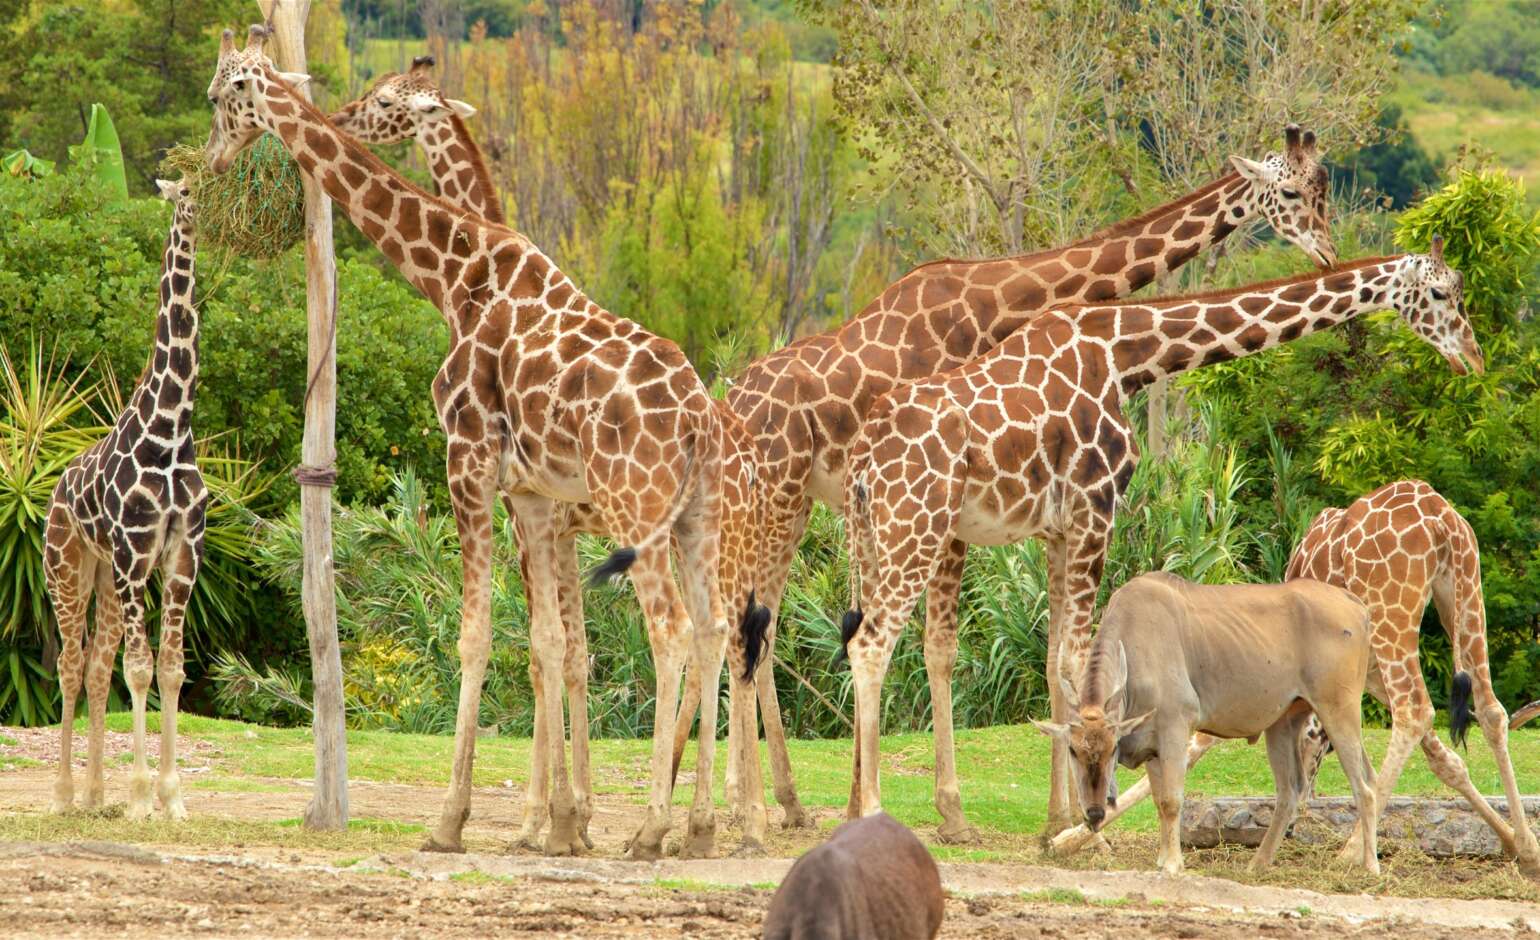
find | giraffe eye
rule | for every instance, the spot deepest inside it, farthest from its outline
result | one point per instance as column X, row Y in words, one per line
column 1439, row 295
column 1291, row 194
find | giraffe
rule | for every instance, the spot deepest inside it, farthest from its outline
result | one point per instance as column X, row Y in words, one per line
column 1030, row 440
column 1395, row 548
column 806, row 401
column 412, row 106
column 546, row 399
column 131, row 504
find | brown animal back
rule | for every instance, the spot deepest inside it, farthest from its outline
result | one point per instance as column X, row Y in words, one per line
column 872, row 880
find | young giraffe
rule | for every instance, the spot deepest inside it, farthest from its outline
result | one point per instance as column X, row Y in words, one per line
column 1030, row 441
column 546, row 399
column 132, row 503
column 1395, row 548
column 411, row 106
column 806, row 401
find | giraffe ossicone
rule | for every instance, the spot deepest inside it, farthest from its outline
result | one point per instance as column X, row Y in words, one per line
column 1030, row 441
column 545, row 399
column 134, row 503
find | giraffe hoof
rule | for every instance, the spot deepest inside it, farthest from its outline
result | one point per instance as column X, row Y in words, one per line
column 175, row 811
column 1529, row 866
column 698, row 845
column 433, row 844
column 797, row 817
column 562, row 847
column 962, row 834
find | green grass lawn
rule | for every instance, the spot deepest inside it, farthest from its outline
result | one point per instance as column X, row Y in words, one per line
column 1004, row 770
column 1446, row 113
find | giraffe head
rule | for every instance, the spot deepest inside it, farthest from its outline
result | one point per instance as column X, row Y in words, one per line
column 1430, row 296
column 401, row 107
column 242, row 79
column 176, row 192
column 1092, row 735
column 1289, row 189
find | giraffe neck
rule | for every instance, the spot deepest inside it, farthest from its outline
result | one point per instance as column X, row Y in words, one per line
column 430, row 243
column 459, row 172
column 1122, row 258
column 1173, row 335
column 172, row 378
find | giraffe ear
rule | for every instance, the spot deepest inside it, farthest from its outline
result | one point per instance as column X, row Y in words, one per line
column 296, row 79
column 459, row 107
column 1251, row 169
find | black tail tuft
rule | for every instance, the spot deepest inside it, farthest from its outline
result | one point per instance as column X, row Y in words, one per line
column 849, row 624
column 753, row 625
column 1459, row 709
column 620, row 560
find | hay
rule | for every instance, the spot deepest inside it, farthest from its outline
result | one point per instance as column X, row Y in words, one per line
column 255, row 209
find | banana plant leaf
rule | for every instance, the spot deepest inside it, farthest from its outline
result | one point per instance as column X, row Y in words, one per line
column 102, row 150
column 22, row 163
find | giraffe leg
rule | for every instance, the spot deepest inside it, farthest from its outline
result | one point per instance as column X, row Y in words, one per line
column 138, row 671
column 667, row 623
column 743, row 740
column 548, row 646
column 569, row 593
column 70, row 570
column 470, row 489
column 179, row 574
column 537, row 794
column 708, row 617
column 783, row 533
column 772, row 585
column 940, row 657
column 99, row 660
column 1517, row 839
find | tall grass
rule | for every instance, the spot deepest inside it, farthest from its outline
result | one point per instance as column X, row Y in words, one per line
column 398, row 575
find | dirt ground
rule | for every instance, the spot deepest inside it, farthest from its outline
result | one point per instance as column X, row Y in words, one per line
column 245, row 886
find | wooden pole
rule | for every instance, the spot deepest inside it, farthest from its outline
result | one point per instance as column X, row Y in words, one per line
column 329, row 799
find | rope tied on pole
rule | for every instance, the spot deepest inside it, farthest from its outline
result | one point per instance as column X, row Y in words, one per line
column 306, row 475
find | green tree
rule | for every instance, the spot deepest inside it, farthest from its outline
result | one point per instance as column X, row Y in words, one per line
column 1395, row 165
column 147, row 61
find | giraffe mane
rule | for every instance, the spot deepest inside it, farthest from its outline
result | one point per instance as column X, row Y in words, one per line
column 1224, row 292
column 479, row 166
column 1115, row 230
column 1129, row 226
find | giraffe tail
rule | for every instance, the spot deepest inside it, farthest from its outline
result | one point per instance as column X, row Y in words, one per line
column 621, row 559
column 1459, row 708
column 753, row 627
column 859, row 536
